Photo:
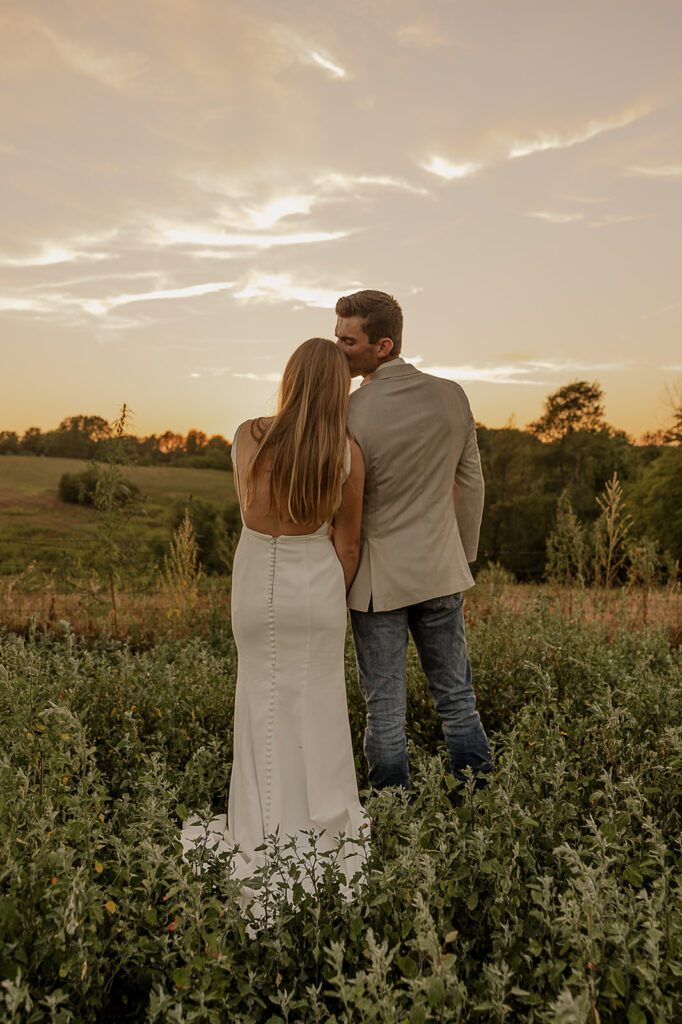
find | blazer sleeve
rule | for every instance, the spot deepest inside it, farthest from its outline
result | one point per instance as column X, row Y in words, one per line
column 469, row 493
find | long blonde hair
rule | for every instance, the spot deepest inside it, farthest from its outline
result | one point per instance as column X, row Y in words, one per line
column 307, row 438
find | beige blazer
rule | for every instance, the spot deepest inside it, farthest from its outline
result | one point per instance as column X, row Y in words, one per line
column 423, row 498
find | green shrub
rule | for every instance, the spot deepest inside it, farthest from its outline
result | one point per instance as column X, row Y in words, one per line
column 216, row 529
column 553, row 895
column 82, row 488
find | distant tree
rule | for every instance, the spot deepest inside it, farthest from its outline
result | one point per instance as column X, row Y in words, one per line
column 673, row 399
column 170, row 443
column 33, row 441
column 652, row 438
column 577, row 406
column 96, row 428
column 148, row 448
column 78, row 437
column 519, row 507
column 216, row 454
column 195, row 442
column 9, row 442
column 656, row 500
column 581, row 462
column 218, row 442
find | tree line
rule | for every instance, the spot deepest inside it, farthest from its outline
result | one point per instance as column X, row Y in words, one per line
column 571, row 453
column 559, row 464
column 90, row 437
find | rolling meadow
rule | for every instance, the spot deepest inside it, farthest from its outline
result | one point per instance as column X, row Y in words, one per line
column 553, row 895
column 190, row 189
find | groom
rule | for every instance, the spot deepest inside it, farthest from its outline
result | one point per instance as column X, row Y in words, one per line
column 420, row 523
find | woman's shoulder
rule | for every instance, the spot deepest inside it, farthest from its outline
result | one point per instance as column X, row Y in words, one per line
column 253, row 427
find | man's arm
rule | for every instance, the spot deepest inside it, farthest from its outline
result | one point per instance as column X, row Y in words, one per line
column 469, row 494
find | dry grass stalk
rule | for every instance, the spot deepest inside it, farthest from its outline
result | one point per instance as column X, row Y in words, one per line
column 182, row 572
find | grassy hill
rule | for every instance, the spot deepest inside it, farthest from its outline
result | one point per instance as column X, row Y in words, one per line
column 36, row 527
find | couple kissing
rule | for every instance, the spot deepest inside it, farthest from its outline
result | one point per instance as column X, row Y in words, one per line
column 370, row 502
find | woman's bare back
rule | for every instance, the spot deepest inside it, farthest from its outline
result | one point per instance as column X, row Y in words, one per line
column 258, row 515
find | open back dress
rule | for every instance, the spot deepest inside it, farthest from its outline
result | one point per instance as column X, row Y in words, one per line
column 293, row 771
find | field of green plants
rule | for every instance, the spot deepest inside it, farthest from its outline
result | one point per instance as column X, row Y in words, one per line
column 554, row 895
column 36, row 528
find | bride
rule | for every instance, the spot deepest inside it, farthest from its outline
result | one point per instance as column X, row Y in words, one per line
column 299, row 480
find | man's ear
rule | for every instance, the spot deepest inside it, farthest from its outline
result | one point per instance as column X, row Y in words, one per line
column 384, row 347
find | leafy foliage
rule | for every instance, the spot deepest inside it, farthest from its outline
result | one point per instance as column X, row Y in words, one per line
column 553, row 895
column 87, row 437
column 657, row 500
column 82, row 488
column 216, row 529
column 574, row 407
column 569, row 450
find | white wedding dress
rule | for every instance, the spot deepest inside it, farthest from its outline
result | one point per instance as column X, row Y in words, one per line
column 293, row 772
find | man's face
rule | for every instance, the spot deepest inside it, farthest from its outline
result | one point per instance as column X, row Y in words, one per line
column 363, row 357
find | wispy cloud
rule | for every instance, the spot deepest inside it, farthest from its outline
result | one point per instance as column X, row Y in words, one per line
column 52, row 303
column 23, row 304
column 663, row 309
column 226, row 240
column 483, row 374
column 281, row 288
column 495, row 147
column 304, row 50
column 555, row 217
column 116, row 70
column 517, row 373
column 121, row 275
column 558, row 140
column 276, row 209
column 328, row 65
column 243, row 221
column 560, row 217
column 243, row 210
column 661, row 171
column 422, row 36
column 444, row 169
column 334, row 181
column 271, row 378
column 50, row 255
column 610, row 219
column 99, row 307
column 210, row 371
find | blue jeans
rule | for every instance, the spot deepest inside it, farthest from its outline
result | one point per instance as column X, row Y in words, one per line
column 437, row 627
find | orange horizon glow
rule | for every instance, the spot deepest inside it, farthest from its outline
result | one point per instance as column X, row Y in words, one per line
column 189, row 188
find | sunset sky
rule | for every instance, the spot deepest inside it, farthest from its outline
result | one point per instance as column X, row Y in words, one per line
column 188, row 185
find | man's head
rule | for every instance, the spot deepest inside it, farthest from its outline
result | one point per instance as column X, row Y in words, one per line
column 369, row 330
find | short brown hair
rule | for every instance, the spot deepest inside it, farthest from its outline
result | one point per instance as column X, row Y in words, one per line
column 382, row 315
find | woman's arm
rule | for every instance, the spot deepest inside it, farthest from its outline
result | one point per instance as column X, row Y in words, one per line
column 348, row 519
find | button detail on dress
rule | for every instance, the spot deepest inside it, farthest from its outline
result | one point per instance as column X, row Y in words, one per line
column 273, row 682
